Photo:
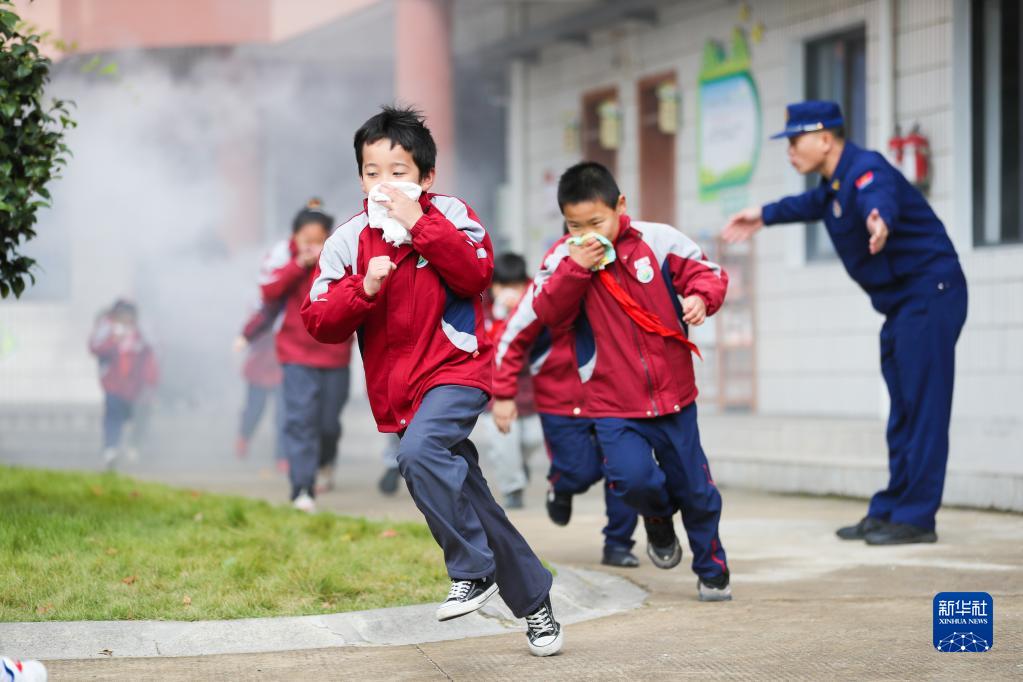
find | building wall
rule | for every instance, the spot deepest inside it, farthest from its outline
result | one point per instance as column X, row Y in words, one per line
column 817, row 337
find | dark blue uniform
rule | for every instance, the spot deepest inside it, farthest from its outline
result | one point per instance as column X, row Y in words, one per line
column 916, row 282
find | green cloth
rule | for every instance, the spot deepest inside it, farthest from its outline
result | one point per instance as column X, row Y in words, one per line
column 609, row 248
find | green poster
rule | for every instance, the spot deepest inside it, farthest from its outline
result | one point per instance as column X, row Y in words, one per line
column 728, row 135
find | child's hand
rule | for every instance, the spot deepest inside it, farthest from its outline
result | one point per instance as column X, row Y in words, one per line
column 587, row 255
column 376, row 272
column 308, row 255
column 504, row 412
column 406, row 211
column 694, row 310
column 239, row 344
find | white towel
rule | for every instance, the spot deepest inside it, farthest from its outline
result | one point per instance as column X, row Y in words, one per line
column 394, row 232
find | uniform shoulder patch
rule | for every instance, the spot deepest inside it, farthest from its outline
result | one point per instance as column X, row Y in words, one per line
column 864, row 179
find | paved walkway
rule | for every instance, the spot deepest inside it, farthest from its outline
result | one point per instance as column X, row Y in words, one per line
column 807, row 606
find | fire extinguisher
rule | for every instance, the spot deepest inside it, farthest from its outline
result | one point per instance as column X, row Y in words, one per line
column 911, row 154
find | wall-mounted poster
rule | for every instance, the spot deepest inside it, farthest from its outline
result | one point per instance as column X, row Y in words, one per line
column 729, row 118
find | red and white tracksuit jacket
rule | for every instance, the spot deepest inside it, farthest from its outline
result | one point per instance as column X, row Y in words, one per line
column 625, row 371
column 425, row 326
column 261, row 366
column 283, row 279
column 549, row 356
column 127, row 364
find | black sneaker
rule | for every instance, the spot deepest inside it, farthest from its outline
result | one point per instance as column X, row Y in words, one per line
column 559, row 507
column 900, row 534
column 867, row 524
column 543, row 632
column 465, row 597
column 662, row 545
column 513, row 500
column 715, row 588
column 388, row 484
column 620, row 557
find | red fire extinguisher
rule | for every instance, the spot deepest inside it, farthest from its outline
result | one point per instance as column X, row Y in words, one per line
column 911, row 154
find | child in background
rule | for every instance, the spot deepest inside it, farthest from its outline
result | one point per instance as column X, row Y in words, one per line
column 315, row 384
column 263, row 377
column 388, row 483
column 510, row 449
column 558, row 364
column 628, row 278
column 407, row 274
column 127, row 368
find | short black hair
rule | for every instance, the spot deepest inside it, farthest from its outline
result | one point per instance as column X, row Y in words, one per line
column 587, row 181
column 838, row 132
column 312, row 215
column 404, row 126
column 510, row 268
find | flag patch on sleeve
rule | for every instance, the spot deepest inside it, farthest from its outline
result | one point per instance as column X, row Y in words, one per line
column 864, row 179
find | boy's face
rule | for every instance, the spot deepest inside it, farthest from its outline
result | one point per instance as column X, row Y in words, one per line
column 594, row 216
column 509, row 295
column 384, row 161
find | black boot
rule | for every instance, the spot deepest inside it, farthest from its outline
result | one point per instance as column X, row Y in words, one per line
column 867, row 524
column 900, row 534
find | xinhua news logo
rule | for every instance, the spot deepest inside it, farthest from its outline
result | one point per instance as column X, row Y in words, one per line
column 964, row 622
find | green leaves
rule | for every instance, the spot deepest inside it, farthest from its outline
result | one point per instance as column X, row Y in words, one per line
column 9, row 20
column 32, row 148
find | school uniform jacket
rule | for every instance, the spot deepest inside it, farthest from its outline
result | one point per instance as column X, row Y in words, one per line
column 632, row 373
column 284, row 280
column 425, row 327
column 553, row 359
column 127, row 364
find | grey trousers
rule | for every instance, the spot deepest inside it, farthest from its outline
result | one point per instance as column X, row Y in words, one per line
column 440, row 466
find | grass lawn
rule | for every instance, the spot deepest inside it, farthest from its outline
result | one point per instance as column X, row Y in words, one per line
column 77, row 546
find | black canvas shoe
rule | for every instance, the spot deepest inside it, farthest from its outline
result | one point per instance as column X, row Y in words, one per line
column 559, row 507
column 662, row 545
column 900, row 534
column 866, row 525
column 465, row 596
column 543, row 632
column 620, row 557
column 388, row 484
column 714, row 589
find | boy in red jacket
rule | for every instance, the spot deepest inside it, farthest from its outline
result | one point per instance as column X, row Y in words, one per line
column 558, row 362
column 407, row 275
column 315, row 386
column 127, row 369
column 640, row 285
column 263, row 378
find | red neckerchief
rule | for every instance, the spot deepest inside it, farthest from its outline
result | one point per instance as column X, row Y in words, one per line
column 646, row 320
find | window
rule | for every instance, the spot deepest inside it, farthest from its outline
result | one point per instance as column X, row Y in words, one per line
column 997, row 62
column 658, row 119
column 601, row 129
column 836, row 69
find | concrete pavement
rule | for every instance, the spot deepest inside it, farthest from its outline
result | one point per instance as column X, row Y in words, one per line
column 807, row 606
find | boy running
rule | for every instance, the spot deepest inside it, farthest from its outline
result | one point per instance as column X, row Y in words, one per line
column 412, row 291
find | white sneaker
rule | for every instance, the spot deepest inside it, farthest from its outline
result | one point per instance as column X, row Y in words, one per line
column 304, row 503
column 131, row 454
column 110, row 456
column 13, row 670
column 710, row 593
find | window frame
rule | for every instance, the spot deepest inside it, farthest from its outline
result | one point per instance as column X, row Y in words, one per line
column 817, row 246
